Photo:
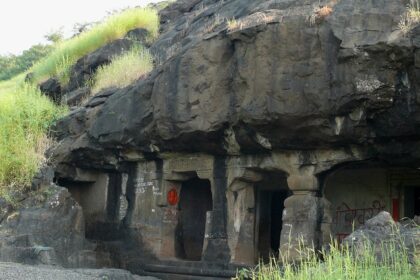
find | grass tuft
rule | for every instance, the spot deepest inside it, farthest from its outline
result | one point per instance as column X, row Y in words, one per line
column 68, row 52
column 411, row 18
column 123, row 70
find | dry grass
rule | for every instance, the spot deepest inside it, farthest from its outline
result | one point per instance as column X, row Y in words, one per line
column 250, row 21
column 411, row 18
column 320, row 13
column 123, row 70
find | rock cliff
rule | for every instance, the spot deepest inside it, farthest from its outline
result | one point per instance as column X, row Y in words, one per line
column 250, row 100
column 256, row 76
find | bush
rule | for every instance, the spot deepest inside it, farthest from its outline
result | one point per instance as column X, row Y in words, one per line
column 123, row 70
column 68, row 52
column 25, row 116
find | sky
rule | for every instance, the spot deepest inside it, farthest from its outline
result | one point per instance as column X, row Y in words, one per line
column 24, row 23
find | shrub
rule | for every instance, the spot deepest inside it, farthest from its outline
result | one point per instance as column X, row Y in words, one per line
column 25, row 116
column 68, row 52
column 123, row 70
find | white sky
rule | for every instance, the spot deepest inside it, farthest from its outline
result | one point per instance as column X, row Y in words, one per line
column 24, row 23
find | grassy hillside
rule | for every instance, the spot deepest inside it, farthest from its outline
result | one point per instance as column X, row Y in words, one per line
column 68, row 52
column 26, row 115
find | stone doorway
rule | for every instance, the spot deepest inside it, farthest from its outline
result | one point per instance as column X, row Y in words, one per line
column 270, row 194
column 270, row 208
column 411, row 201
column 195, row 201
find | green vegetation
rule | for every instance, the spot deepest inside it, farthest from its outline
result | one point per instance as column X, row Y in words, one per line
column 68, row 52
column 11, row 65
column 25, row 116
column 123, row 70
column 340, row 263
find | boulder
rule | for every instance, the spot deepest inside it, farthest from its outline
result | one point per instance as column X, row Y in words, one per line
column 53, row 89
column 381, row 231
column 139, row 35
column 43, row 233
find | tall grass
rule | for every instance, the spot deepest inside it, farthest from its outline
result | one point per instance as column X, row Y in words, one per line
column 25, row 116
column 68, row 52
column 123, row 70
column 341, row 263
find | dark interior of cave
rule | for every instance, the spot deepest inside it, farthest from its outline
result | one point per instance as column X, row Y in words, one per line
column 195, row 202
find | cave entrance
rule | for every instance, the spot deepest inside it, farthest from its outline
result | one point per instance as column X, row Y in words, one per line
column 195, row 201
column 271, row 194
column 99, row 198
column 412, row 202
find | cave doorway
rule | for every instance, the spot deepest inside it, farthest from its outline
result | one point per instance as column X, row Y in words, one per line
column 195, row 201
column 271, row 193
column 411, row 202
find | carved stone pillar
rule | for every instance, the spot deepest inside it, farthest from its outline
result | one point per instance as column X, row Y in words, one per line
column 302, row 216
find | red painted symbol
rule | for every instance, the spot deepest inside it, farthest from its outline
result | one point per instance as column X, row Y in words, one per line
column 173, row 197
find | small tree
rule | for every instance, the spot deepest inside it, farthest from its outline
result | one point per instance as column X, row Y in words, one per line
column 55, row 36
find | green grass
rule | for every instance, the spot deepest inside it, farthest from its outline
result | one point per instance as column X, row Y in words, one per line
column 123, row 70
column 340, row 263
column 25, row 116
column 68, row 52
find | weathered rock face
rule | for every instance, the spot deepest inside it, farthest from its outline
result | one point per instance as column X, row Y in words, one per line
column 277, row 82
column 273, row 110
column 48, row 229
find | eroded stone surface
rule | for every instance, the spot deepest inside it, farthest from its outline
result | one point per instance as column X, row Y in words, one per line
column 268, row 109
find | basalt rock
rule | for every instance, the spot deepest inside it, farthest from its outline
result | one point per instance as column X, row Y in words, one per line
column 46, row 229
column 267, row 115
column 275, row 82
column 382, row 231
column 84, row 69
column 52, row 88
column 86, row 66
